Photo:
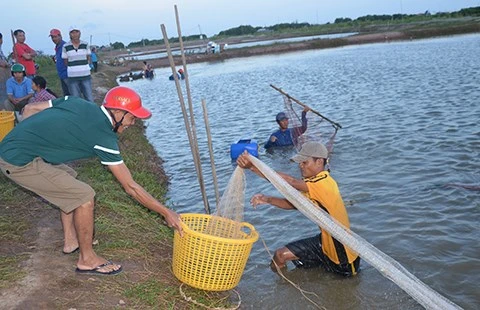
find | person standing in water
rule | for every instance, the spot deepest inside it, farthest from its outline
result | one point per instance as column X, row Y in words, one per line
column 285, row 136
column 322, row 190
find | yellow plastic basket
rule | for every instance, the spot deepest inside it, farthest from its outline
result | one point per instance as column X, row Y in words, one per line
column 212, row 261
column 7, row 120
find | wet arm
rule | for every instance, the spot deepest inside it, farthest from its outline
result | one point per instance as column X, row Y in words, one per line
column 281, row 203
column 123, row 175
column 304, row 121
column 272, row 141
column 299, row 185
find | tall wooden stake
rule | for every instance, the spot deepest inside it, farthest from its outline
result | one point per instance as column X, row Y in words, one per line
column 191, row 139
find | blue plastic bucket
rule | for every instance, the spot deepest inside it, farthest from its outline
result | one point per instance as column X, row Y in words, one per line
column 236, row 149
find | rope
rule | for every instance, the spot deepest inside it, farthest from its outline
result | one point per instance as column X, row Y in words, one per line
column 302, row 291
column 190, row 299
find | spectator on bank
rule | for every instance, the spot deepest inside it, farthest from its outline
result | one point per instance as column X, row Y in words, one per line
column 41, row 92
column 19, row 89
column 76, row 55
column 24, row 53
column 4, row 72
column 56, row 37
column 94, row 57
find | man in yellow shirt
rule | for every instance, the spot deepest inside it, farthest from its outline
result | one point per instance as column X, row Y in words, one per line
column 316, row 184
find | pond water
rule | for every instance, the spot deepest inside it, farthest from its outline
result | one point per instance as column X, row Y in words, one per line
column 410, row 113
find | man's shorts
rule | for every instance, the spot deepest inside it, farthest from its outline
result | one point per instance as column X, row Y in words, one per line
column 310, row 254
column 55, row 183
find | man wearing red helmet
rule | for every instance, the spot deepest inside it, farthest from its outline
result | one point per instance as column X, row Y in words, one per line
column 67, row 129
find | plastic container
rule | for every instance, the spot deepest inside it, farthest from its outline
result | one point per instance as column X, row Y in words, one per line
column 7, row 120
column 212, row 261
column 236, row 149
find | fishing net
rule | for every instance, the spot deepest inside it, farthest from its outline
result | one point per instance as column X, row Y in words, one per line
column 231, row 206
column 318, row 129
column 383, row 263
column 232, row 203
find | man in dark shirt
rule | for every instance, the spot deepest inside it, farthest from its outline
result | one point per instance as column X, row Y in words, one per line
column 285, row 136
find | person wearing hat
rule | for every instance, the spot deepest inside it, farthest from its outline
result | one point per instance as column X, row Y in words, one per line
column 318, row 186
column 76, row 56
column 56, row 37
column 25, row 54
column 285, row 136
column 66, row 129
column 19, row 89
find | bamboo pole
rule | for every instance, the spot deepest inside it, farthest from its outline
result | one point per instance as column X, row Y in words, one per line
column 185, row 71
column 304, row 105
column 189, row 97
column 210, row 149
column 196, row 160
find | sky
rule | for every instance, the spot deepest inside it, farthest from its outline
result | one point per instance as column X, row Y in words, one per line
column 107, row 21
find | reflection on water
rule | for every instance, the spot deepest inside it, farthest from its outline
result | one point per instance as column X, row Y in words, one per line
column 409, row 112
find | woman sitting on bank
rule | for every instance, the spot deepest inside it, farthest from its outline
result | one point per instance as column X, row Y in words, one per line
column 42, row 93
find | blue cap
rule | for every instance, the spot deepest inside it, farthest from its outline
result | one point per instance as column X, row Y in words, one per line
column 281, row 116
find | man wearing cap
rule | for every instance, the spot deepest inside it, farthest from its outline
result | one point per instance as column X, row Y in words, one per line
column 56, row 37
column 67, row 129
column 19, row 89
column 285, row 136
column 24, row 53
column 318, row 186
column 76, row 55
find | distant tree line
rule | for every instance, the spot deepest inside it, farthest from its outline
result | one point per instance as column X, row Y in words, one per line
column 249, row 30
column 474, row 11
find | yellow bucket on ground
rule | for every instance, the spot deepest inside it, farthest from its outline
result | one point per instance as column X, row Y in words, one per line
column 213, row 251
column 7, row 120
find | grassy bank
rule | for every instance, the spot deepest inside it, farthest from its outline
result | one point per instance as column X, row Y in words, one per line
column 127, row 233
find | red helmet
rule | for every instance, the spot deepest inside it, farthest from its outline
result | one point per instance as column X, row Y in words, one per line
column 126, row 99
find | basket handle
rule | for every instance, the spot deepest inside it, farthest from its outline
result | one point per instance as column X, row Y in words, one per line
column 248, row 225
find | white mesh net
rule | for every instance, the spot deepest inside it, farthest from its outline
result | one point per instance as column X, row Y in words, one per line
column 231, row 206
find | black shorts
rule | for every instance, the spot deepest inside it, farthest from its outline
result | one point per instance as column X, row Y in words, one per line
column 310, row 254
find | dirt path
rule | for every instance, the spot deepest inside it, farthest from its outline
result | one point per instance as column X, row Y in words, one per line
column 47, row 267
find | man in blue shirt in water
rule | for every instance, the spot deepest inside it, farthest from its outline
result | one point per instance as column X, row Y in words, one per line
column 285, row 136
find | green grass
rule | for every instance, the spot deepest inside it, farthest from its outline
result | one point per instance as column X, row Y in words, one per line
column 10, row 271
column 48, row 71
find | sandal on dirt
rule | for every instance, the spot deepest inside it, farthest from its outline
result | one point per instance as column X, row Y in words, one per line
column 96, row 270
